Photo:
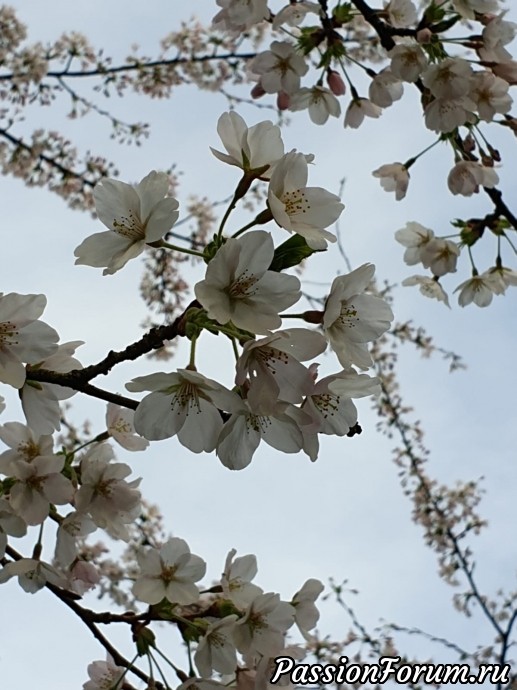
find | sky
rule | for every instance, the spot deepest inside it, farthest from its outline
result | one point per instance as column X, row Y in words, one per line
column 345, row 515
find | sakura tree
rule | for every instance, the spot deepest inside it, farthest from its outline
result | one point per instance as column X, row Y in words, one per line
column 233, row 379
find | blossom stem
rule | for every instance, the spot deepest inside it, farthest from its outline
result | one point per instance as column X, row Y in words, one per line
column 98, row 439
column 510, row 243
column 233, row 204
column 234, row 346
column 151, row 657
column 413, row 159
column 181, row 674
column 192, row 360
column 246, row 227
column 165, row 244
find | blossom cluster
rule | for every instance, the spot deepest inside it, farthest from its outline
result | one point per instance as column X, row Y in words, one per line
column 440, row 255
column 237, row 628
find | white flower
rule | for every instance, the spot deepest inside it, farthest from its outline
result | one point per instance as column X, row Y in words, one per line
column 479, row 289
column 298, row 208
column 169, row 573
column 294, row 13
column 104, row 494
column 490, row 94
column 408, row 61
column 352, row 319
column 121, row 428
column 467, row 176
column 497, row 34
column 73, row 526
column 22, row 337
column 135, row 216
column 444, row 115
column 82, row 577
column 468, row 8
column 254, row 148
column 320, row 101
column 428, row 287
column 506, row 70
column 104, row 675
column 236, row 580
column 25, row 445
column 504, row 277
column 401, row 13
column 39, row 483
column 279, row 68
column 440, row 256
column 238, row 286
column 329, row 405
column 394, row 177
column 237, row 16
column 10, row 524
column 414, row 237
column 264, row 625
column 358, row 109
column 32, row 574
column 306, row 613
column 265, row 419
column 40, row 401
column 216, row 650
column 385, row 88
column 277, row 358
column 185, row 403
column 448, row 79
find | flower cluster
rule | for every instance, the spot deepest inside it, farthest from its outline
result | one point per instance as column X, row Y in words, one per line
column 440, row 255
column 236, row 626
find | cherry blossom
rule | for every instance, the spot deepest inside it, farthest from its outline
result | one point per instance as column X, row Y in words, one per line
column 32, row 574
column 444, row 115
column 40, row 401
column 23, row 339
column 135, row 216
column 298, row 208
column 236, row 580
column 497, row 33
column 429, row 287
column 277, row 357
column 279, row 68
column 394, row 177
column 306, row 614
column 414, row 237
column 408, row 61
column 401, row 13
column 38, row 484
column 24, row 445
column 294, row 13
column 111, row 502
column 385, row 89
column 352, row 319
column 238, row 286
column 104, row 675
column 448, row 79
column 479, row 289
column 491, row 95
column 358, row 109
column 185, row 403
column 11, row 524
column 440, row 256
column 256, row 148
column 467, row 176
column 121, row 428
column 262, row 629
column 266, row 420
column 216, row 650
column 320, row 102
column 468, row 8
column 239, row 15
column 73, row 526
column 168, row 573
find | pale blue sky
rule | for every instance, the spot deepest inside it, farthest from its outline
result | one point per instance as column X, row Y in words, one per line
column 345, row 515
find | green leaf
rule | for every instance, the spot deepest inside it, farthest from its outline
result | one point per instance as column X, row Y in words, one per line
column 291, row 253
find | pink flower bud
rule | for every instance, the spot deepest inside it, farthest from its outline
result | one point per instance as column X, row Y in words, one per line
column 335, row 83
column 424, row 36
column 283, row 100
column 257, row 91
